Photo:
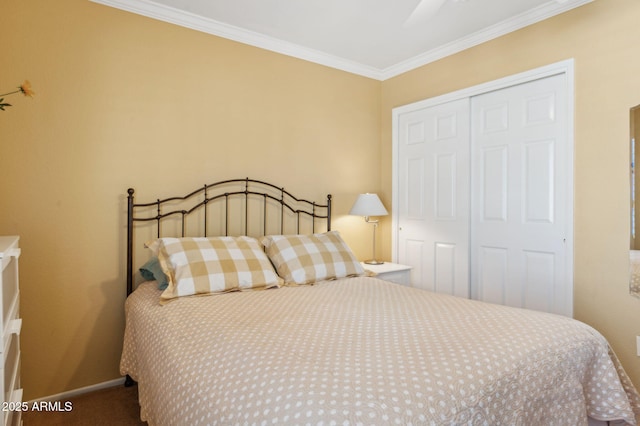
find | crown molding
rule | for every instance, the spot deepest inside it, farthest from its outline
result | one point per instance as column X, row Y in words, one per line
column 190, row 20
column 515, row 23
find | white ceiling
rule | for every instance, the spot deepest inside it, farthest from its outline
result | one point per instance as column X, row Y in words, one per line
column 373, row 38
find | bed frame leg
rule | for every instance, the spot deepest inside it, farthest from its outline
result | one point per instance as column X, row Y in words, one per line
column 128, row 382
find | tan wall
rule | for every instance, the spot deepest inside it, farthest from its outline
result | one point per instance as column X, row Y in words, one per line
column 123, row 100
column 600, row 36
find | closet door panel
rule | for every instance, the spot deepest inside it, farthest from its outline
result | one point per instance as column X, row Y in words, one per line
column 492, row 187
column 538, row 187
column 445, row 267
column 411, row 249
column 433, row 197
column 415, row 192
column 491, row 275
column 445, row 186
column 539, row 280
column 518, row 187
column 414, row 254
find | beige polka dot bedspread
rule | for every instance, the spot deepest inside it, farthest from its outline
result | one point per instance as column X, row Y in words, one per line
column 361, row 351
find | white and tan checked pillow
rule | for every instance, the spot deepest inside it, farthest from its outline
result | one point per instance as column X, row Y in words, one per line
column 212, row 265
column 306, row 259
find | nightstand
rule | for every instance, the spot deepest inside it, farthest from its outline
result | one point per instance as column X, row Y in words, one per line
column 393, row 272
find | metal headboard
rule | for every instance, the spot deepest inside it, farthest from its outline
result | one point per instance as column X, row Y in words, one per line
column 224, row 192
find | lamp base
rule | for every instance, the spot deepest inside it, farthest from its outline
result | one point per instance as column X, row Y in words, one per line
column 374, row 262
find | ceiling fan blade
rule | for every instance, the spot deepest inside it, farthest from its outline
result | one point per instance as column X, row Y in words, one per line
column 423, row 11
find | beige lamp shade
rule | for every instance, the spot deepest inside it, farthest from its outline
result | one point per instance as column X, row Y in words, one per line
column 368, row 205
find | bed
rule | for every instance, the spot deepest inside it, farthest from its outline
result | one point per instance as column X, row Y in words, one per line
column 330, row 344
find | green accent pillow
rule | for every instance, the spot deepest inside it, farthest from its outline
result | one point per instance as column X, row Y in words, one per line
column 153, row 271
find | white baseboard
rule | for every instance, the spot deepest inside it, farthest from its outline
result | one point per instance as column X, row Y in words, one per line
column 80, row 391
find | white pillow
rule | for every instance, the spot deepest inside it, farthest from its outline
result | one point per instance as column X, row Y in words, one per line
column 212, row 265
column 306, row 259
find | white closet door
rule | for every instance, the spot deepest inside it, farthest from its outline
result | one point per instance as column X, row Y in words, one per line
column 518, row 191
column 433, row 216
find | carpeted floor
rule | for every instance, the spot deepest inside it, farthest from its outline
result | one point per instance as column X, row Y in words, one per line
column 108, row 407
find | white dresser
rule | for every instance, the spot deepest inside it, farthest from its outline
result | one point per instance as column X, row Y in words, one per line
column 10, row 324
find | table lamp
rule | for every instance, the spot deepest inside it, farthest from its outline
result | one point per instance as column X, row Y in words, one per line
column 369, row 205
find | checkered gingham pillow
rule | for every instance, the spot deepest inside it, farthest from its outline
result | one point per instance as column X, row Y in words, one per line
column 197, row 266
column 306, row 259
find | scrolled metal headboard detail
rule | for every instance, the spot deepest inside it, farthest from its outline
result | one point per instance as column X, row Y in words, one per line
column 263, row 196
